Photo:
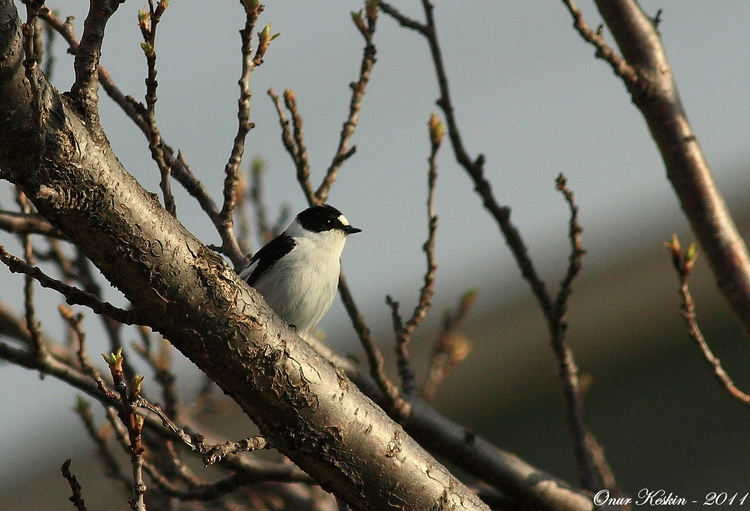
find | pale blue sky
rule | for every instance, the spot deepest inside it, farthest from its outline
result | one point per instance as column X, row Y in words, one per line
column 528, row 94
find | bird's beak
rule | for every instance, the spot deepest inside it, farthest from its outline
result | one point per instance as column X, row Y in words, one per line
column 348, row 229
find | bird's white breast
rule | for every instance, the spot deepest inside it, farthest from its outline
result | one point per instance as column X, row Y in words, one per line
column 301, row 286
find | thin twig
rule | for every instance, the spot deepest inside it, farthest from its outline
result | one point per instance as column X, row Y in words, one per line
column 403, row 359
column 160, row 362
column 231, row 170
column 603, row 51
column 398, row 406
column 591, row 474
column 32, row 223
column 196, row 442
column 133, row 422
column 112, row 468
column 38, row 346
column 266, row 232
column 404, row 330
column 74, row 323
column 475, row 169
column 112, row 325
column 683, row 264
column 450, row 347
column 148, row 21
column 73, row 295
column 180, row 169
column 343, row 151
column 290, row 142
column 77, row 497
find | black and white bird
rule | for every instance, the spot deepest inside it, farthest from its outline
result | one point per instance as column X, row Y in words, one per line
column 298, row 271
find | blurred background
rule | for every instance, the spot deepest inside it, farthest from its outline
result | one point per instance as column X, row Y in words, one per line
column 532, row 98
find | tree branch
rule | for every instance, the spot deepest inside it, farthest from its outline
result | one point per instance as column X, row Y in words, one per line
column 475, row 169
column 650, row 82
column 683, row 264
column 183, row 290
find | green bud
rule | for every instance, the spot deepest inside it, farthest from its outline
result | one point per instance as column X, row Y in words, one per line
column 437, row 130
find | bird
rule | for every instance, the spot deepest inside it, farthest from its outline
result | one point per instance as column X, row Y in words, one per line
column 298, row 271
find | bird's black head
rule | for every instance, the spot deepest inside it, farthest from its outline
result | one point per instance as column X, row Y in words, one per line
column 325, row 218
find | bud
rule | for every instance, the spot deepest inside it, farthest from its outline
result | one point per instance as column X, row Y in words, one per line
column 147, row 49
column 437, row 130
column 265, row 38
column 137, row 384
column 161, row 7
column 144, row 20
column 371, row 9
column 113, row 358
column 359, row 22
column 673, row 247
column 290, row 98
column 691, row 254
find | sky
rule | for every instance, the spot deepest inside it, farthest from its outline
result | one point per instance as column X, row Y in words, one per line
column 528, row 94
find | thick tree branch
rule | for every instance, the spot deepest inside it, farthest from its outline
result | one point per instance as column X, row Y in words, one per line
column 183, row 290
column 650, row 82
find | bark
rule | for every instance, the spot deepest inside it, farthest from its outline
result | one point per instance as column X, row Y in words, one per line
column 654, row 92
column 180, row 288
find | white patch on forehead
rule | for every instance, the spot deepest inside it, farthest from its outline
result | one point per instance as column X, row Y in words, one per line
column 343, row 220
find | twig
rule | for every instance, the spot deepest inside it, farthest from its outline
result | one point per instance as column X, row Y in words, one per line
column 683, row 264
column 201, row 492
column 291, row 143
column 475, row 169
column 220, row 487
column 133, row 422
column 196, row 442
column 653, row 91
column 266, row 232
column 38, row 346
column 343, row 152
column 83, row 409
column 404, row 330
column 180, row 169
column 231, row 170
column 112, row 325
column 293, row 139
column 160, row 363
column 591, row 474
column 148, row 21
column 603, row 51
column 77, row 498
column 242, row 207
column 31, row 223
column 74, row 323
column 403, row 359
column 56, row 255
column 73, row 295
column 300, row 150
column 397, row 405
column 450, row 348
column 84, row 90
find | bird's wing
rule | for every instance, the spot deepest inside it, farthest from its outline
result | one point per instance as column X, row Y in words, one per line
column 266, row 257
